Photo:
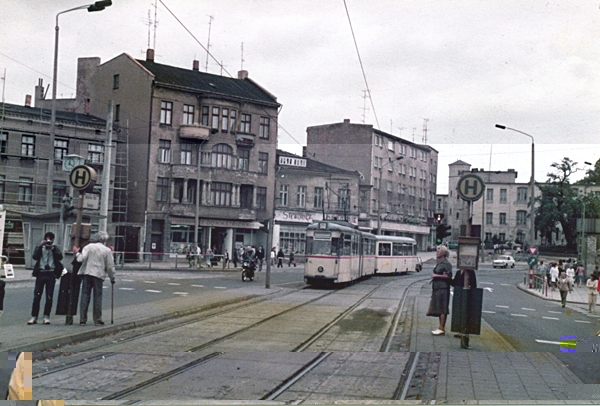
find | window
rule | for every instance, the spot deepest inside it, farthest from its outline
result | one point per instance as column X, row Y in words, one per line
column 164, row 151
column 215, row 118
column 301, row 196
column 490, row 195
column 162, row 190
column 3, row 143
column 261, row 198
column 61, row 148
column 28, row 145
column 116, row 81
column 503, row 218
column 188, row 114
column 166, row 112
column 2, row 187
column 488, row 237
column 502, row 237
column 343, row 199
column 390, row 186
column 246, row 123
column 489, row 217
column 243, row 159
column 390, row 145
column 95, row 153
column 522, row 194
column 283, row 195
column 220, row 193
column 221, row 156
column 263, row 130
column 204, row 116
column 59, row 189
column 502, row 195
column 246, row 192
column 117, row 112
column 225, row 121
column 178, row 186
column 233, row 117
column 263, row 162
column 521, row 217
column 318, row 198
column 186, row 153
column 25, row 190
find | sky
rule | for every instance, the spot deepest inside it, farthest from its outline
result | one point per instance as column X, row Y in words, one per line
column 458, row 67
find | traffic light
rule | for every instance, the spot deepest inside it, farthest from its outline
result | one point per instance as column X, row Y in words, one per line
column 439, row 217
column 442, row 231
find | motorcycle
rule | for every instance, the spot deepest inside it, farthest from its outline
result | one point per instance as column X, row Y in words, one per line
column 248, row 268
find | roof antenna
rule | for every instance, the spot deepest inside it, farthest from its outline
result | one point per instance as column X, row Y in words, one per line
column 155, row 23
column 242, row 57
column 210, row 19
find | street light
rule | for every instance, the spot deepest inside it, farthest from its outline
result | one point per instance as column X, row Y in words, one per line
column 532, row 182
column 97, row 6
column 379, row 221
column 583, row 250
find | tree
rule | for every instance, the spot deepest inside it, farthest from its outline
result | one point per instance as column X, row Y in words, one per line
column 557, row 203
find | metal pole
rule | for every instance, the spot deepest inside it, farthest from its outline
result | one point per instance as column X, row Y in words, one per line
column 103, row 222
column 532, row 197
column 49, row 182
column 196, row 220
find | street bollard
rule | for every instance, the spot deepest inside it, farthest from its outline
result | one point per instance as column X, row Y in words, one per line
column 530, row 277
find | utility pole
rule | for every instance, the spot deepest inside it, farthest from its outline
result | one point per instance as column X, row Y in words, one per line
column 103, row 222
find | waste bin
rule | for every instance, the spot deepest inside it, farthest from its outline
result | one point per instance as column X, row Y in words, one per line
column 466, row 310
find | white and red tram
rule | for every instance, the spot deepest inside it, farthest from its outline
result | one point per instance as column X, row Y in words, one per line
column 337, row 252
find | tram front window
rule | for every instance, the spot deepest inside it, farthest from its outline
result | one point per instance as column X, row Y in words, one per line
column 321, row 247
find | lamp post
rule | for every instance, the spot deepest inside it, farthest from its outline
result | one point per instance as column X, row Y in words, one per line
column 532, row 182
column 97, row 6
column 583, row 255
column 379, row 194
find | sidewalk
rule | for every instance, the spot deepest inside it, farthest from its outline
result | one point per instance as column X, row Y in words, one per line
column 578, row 295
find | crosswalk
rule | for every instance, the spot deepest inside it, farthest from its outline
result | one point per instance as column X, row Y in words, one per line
column 157, row 291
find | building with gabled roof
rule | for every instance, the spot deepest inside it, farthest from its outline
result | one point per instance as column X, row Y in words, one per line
column 202, row 148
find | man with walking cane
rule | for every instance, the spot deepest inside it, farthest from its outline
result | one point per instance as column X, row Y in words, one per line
column 97, row 262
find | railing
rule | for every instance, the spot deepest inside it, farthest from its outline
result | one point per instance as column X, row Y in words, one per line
column 540, row 284
column 164, row 260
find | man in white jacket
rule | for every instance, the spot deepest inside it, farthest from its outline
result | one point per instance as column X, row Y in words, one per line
column 97, row 262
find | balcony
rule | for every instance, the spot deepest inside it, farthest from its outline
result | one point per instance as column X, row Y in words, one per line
column 194, row 132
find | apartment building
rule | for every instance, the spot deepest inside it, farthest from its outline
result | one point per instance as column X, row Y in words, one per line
column 398, row 177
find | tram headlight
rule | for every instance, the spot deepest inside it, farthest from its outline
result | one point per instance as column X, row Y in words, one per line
column 320, row 269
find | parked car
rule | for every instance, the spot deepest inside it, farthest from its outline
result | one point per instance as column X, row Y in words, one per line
column 504, row 261
column 419, row 266
column 452, row 245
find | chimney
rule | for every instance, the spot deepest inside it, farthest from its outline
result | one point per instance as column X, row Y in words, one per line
column 150, row 55
column 39, row 92
column 27, row 100
column 196, row 65
column 304, row 151
column 346, row 121
column 243, row 74
column 86, row 106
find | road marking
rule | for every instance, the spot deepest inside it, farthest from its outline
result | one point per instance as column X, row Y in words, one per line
column 127, row 280
column 548, row 342
column 550, row 318
column 487, row 311
column 518, row 315
column 198, row 286
column 504, row 307
column 149, row 281
column 525, row 308
column 487, row 283
column 126, row 289
column 181, row 293
column 220, row 287
column 505, row 284
column 153, row 291
column 489, row 289
column 582, row 321
column 552, row 311
column 173, row 284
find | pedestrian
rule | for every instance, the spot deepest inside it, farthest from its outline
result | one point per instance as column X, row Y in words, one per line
column 96, row 263
column 46, row 270
column 441, row 280
column 553, row 275
column 190, row 256
column 198, row 256
column 571, row 274
column 292, row 259
column 15, row 376
column 580, row 275
column 592, row 285
column 280, row 257
column 208, row 257
column 226, row 259
column 235, row 258
column 564, row 286
column 544, row 271
column 260, row 257
column 273, row 256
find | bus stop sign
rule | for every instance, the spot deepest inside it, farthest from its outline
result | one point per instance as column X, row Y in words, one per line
column 82, row 177
column 470, row 187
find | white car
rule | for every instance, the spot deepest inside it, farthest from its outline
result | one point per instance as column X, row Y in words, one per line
column 504, row 261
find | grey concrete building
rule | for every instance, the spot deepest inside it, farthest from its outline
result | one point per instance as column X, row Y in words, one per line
column 306, row 191
column 201, row 151
column 25, row 153
column 398, row 177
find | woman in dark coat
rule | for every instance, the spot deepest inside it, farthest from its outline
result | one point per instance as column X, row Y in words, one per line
column 280, row 256
column 440, row 295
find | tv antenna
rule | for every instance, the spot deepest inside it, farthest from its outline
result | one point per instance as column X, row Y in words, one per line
column 210, row 19
column 242, row 68
column 425, row 120
column 364, row 108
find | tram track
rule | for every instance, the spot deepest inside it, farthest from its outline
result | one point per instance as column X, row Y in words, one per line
column 287, row 382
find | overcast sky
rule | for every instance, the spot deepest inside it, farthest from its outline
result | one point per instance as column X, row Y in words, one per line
column 462, row 65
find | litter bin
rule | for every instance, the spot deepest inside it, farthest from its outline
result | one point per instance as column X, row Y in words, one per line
column 466, row 310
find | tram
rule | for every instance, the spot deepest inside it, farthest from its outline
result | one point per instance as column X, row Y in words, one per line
column 338, row 253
